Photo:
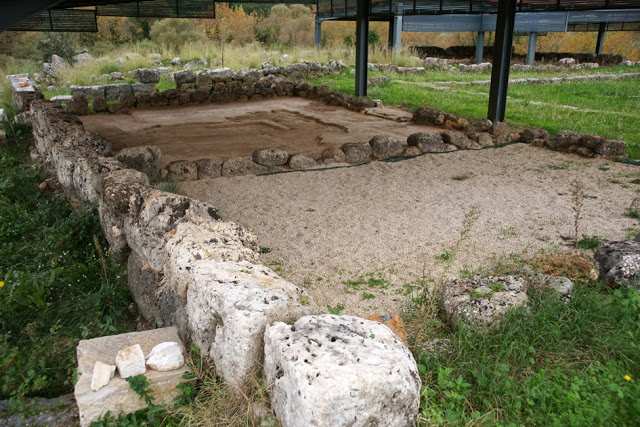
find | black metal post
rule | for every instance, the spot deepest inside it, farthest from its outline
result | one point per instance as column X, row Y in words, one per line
column 11, row 12
column 600, row 43
column 501, row 59
column 362, row 46
column 392, row 22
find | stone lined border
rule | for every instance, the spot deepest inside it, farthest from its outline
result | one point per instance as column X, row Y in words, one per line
column 187, row 268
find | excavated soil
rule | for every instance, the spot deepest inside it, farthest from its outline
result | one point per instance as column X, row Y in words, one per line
column 362, row 236
column 219, row 131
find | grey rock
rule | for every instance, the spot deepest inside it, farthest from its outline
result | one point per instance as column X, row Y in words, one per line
column 184, row 77
column 126, row 100
column 113, row 91
column 176, row 62
column 356, row 152
column 148, row 75
column 78, row 106
column 182, row 170
column 242, row 166
column 144, row 283
column 534, row 135
column 427, row 142
column 145, row 158
column 61, row 98
column 333, row 153
column 483, row 139
column 270, row 156
column 322, row 363
column 619, row 263
column 100, row 104
column 143, row 87
column 459, row 139
column 298, row 161
column 481, row 301
column 208, row 168
column 386, row 146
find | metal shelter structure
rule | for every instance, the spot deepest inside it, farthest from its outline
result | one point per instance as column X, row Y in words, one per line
column 81, row 15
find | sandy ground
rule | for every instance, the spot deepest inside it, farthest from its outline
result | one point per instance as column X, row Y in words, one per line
column 390, row 222
column 219, row 131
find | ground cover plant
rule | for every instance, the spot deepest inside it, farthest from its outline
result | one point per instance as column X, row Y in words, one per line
column 58, row 283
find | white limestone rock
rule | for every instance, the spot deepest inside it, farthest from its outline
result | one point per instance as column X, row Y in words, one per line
column 130, row 361
column 331, row 370
column 229, row 305
column 102, row 373
column 197, row 240
column 166, row 356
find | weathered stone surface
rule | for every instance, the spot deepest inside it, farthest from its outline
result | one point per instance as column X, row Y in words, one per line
column 78, row 106
column 611, row 148
column 386, row 146
column 333, row 153
column 144, row 158
column 130, row 361
column 102, row 373
column 208, row 168
column 411, row 151
column 483, row 139
column 184, row 77
column 566, row 61
column 230, row 304
column 619, row 263
column 393, row 322
column 242, row 166
column 356, row 152
column 120, row 189
column 481, row 300
column 205, row 240
column 340, row 370
column 126, row 100
column 427, row 142
column 61, row 98
column 148, row 75
column 182, row 170
column 459, row 139
column 432, row 116
column 113, row 91
column 144, row 283
column 298, row 161
column 143, row 88
column 270, row 156
column 117, row 396
column 100, row 104
column 499, row 128
column 586, row 145
column 562, row 285
column 165, row 356
column 534, row 135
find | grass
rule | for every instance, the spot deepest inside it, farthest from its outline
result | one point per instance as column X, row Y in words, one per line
column 611, row 108
column 549, row 363
column 59, row 284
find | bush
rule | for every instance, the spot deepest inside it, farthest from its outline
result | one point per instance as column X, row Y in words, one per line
column 174, row 32
column 61, row 44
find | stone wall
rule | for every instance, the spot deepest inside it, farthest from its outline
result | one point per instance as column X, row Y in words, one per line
column 188, row 268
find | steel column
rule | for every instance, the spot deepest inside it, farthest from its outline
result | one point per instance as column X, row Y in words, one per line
column 362, row 46
column 397, row 35
column 600, row 43
column 501, row 59
column 11, row 12
column 531, row 48
column 479, row 47
column 392, row 32
column 318, row 33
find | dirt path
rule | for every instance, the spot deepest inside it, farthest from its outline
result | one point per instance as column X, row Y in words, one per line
column 394, row 222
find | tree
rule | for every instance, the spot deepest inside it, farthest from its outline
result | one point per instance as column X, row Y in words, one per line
column 174, row 32
column 61, row 44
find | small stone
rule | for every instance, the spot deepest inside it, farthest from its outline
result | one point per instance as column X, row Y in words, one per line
column 333, row 153
column 130, row 361
column 148, row 75
column 299, row 161
column 166, row 356
column 270, row 157
column 182, row 170
column 208, row 168
column 102, row 373
column 385, row 146
column 356, row 152
column 427, row 142
column 242, row 166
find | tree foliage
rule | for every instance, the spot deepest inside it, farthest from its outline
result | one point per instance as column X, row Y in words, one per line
column 174, row 32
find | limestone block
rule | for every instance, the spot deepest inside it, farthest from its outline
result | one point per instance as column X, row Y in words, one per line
column 165, row 356
column 331, row 370
column 182, row 170
column 102, row 373
column 144, row 158
column 481, row 300
column 208, row 168
column 194, row 241
column 143, row 88
column 427, row 142
column 229, row 305
column 78, row 105
column 355, row 152
column 459, row 139
column 130, row 361
column 241, row 166
column 184, row 77
column 619, row 263
column 270, row 157
column 298, row 161
column 148, row 75
column 386, row 146
column 119, row 189
column 89, row 173
column 113, row 91
column 153, row 215
column 144, row 283
column 117, row 396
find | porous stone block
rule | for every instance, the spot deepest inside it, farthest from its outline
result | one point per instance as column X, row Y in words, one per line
column 165, row 356
column 270, row 156
column 386, row 146
column 619, row 263
column 242, row 166
column 208, row 168
column 299, row 161
column 130, row 361
column 230, row 304
column 102, row 373
column 331, row 370
column 481, row 301
column 356, row 152
column 182, row 170
column 145, row 158
column 117, row 396
column 148, row 75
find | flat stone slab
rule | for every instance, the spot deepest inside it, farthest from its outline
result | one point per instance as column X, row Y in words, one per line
column 117, row 396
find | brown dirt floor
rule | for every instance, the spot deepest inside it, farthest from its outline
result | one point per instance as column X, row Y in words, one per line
column 219, row 131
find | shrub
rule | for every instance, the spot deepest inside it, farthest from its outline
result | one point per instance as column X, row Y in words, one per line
column 61, row 44
column 174, row 32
